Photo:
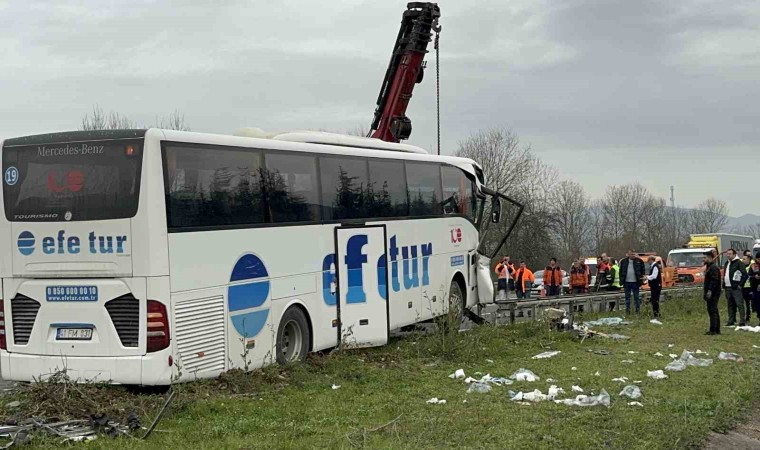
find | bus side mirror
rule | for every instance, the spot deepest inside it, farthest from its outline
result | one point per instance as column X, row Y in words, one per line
column 496, row 210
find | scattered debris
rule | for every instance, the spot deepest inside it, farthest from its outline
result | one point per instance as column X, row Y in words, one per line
column 730, row 357
column 673, row 355
column 335, row 386
column 535, row 396
column 688, row 358
column 631, row 391
column 487, row 378
column 627, row 361
column 671, row 345
column 748, row 328
column 621, row 379
column 600, row 351
column 545, row 355
column 554, row 391
column 700, row 352
column 655, row 321
column 603, row 399
column 525, row 375
column 597, row 374
column 550, row 380
column 436, row 401
column 606, row 321
column 489, row 361
column 755, row 346
column 573, row 368
column 13, row 405
column 656, row 374
column 635, row 404
column 618, row 337
column 479, row 388
column 637, row 382
column 577, row 389
column 459, row 373
column 658, row 354
column 677, row 365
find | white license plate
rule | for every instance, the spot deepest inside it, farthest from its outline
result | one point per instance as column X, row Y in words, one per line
column 74, row 334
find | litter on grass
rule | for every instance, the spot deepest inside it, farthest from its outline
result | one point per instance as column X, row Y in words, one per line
column 635, row 404
column 335, row 386
column 730, row 357
column 545, row 355
column 621, row 379
column 658, row 354
column 627, row 361
column 487, row 378
column 489, row 361
column 597, row 374
column 688, row 358
column 671, row 345
column 676, row 365
column 550, row 380
column 436, row 401
column 606, row 321
column 673, row 355
column 747, row 328
column 656, row 374
column 573, row 368
column 536, row 395
column 631, row 391
column 655, row 321
column 554, row 391
column 700, row 352
column 479, row 388
column 755, row 346
column 603, row 399
column 631, row 352
column 458, row 374
column 577, row 389
column 524, row 375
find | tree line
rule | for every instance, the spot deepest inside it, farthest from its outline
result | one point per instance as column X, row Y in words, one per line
column 562, row 220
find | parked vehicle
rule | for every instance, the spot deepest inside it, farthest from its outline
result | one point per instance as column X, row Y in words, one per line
column 688, row 261
column 539, row 290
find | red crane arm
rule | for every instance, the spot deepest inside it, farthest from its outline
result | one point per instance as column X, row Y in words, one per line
column 404, row 71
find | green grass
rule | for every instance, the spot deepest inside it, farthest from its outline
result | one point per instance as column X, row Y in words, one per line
column 296, row 407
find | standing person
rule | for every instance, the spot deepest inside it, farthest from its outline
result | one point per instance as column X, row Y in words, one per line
column 523, row 281
column 578, row 278
column 753, row 275
column 504, row 271
column 602, row 268
column 712, row 292
column 553, row 278
column 613, row 276
column 632, row 272
column 733, row 280
column 655, row 284
column 746, row 288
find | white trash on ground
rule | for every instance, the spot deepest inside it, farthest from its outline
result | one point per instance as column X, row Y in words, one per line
column 550, row 380
column 730, row 357
column 621, row 379
column 479, row 388
column 656, row 374
column 688, row 358
column 627, row 361
column 458, row 374
column 635, row 404
column 576, row 388
column 608, row 321
column 631, row 391
column 535, row 396
column 676, row 365
column 747, row 328
column 673, row 355
column 573, row 368
column 603, row 399
column 524, row 375
column 671, row 345
column 597, row 374
column 436, row 401
column 554, row 391
column 655, row 321
column 545, row 355
column 335, row 386
column 658, row 354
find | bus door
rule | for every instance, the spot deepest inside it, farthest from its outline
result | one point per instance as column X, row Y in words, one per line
column 362, row 285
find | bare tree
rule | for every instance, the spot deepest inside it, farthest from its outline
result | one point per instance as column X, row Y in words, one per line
column 570, row 219
column 709, row 216
column 97, row 119
column 513, row 169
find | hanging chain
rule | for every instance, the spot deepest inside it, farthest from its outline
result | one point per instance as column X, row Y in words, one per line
column 437, row 30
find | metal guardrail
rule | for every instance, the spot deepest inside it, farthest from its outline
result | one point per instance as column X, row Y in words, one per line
column 515, row 311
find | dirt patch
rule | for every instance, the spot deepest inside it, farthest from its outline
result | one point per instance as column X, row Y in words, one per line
column 744, row 437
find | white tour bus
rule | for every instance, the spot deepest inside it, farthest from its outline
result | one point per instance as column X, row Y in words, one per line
column 152, row 256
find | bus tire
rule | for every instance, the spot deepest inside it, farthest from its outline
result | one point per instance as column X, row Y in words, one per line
column 293, row 336
column 456, row 304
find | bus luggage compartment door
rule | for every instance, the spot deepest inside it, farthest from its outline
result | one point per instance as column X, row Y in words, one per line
column 362, row 286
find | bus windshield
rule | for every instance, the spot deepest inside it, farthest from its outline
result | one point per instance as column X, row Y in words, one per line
column 76, row 181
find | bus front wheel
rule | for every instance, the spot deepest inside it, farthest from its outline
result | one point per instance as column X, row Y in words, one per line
column 293, row 337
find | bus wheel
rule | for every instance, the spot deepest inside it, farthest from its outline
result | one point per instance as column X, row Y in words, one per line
column 456, row 305
column 293, row 338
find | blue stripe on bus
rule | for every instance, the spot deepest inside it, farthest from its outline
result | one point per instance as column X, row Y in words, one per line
column 245, row 296
column 250, row 324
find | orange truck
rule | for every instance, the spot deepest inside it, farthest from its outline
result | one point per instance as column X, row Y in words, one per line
column 688, row 261
column 668, row 273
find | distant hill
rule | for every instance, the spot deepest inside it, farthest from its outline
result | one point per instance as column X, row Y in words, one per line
column 746, row 220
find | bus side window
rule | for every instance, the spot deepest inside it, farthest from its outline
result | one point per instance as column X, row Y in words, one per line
column 290, row 187
column 387, row 189
column 424, row 185
column 345, row 188
column 457, row 192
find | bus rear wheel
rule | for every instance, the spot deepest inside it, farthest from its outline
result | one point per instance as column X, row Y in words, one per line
column 293, row 337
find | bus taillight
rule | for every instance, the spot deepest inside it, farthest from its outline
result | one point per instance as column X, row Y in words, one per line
column 158, row 326
column 3, row 342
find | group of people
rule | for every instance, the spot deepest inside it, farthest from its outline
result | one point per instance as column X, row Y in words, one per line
column 628, row 274
column 740, row 279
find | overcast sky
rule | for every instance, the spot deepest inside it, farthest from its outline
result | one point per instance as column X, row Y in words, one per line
column 660, row 92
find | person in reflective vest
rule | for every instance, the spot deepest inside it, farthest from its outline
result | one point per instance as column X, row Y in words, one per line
column 553, row 278
column 654, row 279
column 578, row 278
column 504, row 271
column 524, row 279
